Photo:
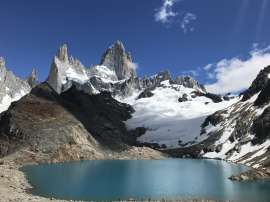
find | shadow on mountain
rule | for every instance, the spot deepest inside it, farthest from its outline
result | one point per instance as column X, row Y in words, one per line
column 44, row 121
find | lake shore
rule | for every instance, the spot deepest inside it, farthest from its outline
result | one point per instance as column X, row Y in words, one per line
column 14, row 185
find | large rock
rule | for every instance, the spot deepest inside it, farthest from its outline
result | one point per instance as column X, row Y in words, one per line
column 146, row 94
column 184, row 98
column 118, row 60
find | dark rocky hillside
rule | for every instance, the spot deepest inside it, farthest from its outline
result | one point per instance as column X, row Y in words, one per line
column 258, row 84
column 70, row 126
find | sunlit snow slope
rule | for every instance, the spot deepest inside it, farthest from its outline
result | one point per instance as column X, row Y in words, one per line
column 168, row 121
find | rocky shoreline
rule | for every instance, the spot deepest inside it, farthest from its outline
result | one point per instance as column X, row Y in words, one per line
column 253, row 175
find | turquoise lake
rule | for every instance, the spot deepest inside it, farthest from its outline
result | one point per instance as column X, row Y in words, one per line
column 156, row 179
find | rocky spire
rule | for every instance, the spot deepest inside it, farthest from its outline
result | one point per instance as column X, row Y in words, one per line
column 65, row 71
column 63, row 53
column 117, row 59
column 57, row 71
column 33, row 79
column 2, row 62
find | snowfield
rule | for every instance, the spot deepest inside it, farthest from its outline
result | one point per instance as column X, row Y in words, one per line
column 169, row 122
column 7, row 100
column 104, row 73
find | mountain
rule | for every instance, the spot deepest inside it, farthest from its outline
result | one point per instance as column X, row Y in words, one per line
column 65, row 70
column 243, row 128
column 107, row 111
column 12, row 88
column 119, row 61
column 240, row 132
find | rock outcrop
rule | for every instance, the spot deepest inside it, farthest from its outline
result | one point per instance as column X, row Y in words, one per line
column 214, row 97
column 258, row 84
column 145, row 94
column 189, row 82
column 118, row 60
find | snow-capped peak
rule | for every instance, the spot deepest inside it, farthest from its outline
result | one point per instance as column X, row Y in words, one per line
column 12, row 88
column 118, row 60
column 65, row 70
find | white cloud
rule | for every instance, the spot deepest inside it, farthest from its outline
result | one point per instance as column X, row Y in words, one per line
column 234, row 75
column 208, row 67
column 165, row 13
column 186, row 22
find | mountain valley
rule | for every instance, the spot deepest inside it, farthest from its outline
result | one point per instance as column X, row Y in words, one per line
column 107, row 112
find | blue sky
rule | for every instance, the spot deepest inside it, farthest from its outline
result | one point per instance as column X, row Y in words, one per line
column 183, row 36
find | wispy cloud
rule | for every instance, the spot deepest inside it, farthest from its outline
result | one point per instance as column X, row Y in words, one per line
column 187, row 21
column 166, row 14
column 208, row 67
column 235, row 74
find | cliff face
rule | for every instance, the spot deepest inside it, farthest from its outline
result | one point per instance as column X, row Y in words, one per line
column 240, row 132
column 65, row 70
column 118, row 60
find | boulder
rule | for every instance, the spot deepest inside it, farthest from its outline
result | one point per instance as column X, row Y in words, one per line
column 145, row 94
column 184, row 98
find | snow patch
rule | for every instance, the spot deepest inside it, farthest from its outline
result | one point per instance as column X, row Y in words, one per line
column 7, row 100
column 70, row 72
column 104, row 73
